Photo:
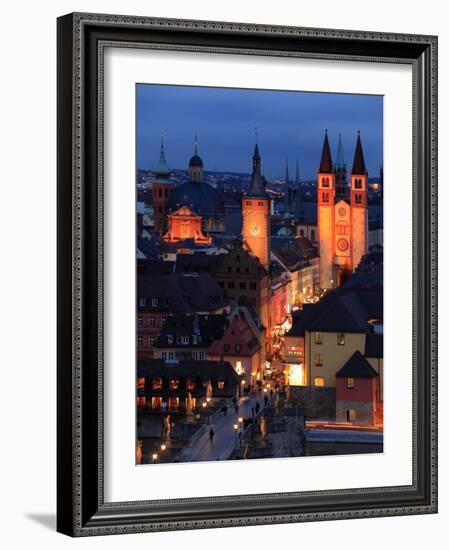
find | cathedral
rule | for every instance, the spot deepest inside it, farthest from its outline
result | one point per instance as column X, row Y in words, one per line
column 342, row 214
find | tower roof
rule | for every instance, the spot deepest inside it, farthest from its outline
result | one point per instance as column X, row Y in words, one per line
column 326, row 166
column 257, row 187
column 162, row 169
column 358, row 166
column 340, row 162
column 196, row 159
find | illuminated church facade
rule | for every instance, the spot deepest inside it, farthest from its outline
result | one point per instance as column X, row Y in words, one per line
column 342, row 214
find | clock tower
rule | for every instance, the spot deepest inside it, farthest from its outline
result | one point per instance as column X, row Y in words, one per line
column 256, row 205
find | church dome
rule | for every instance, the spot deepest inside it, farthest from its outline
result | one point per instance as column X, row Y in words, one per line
column 196, row 161
column 202, row 197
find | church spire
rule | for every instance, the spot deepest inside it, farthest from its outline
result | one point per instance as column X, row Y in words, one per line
column 256, row 187
column 358, row 166
column 196, row 145
column 162, row 168
column 287, row 178
column 326, row 157
column 297, row 174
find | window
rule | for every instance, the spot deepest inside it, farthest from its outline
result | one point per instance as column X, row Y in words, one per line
column 350, row 383
column 142, row 302
column 225, row 347
column 318, row 337
column 169, row 339
column 350, row 415
column 139, row 321
column 325, row 197
column 182, row 340
column 358, row 183
column 242, row 286
column 318, row 381
column 152, row 321
column 253, row 286
column 231, row 284
column 249, row 203
column 358, row 198
column 238, row 348
column 229, row 269
column 206, row 383
column 153, row 302
column 341, row 338
column 318, row 360
column 151, row 340
column 156, row 383
column 173, row 383
column 325, row 182
column 342, row 229
column 141, row 383
column 163, row 320
column 221, row 284
column 190, row 384
column 221, row 385
column 312, row 235
column 139, row 341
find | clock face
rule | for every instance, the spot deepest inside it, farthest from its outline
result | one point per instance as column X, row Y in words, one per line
column 342, row 244
column 254, row 229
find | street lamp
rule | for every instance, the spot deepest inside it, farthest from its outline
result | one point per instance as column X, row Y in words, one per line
column 163, row 447
column 154, row 457
column 236, row 427
column 206, row 411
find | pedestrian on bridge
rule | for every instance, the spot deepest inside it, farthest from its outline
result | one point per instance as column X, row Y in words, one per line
column 211, row 435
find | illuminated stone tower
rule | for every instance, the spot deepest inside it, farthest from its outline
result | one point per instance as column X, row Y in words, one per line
column 161, row 187
column 359, row 205
column 256, row 215
column 326, row 215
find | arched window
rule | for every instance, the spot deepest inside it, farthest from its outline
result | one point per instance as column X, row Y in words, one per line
column 358, row 183
column 312, row 235
column 325, row 182
column 342, row 228
column 160, row 193
column 325, row 197
column 301, row 233
column 358, row 198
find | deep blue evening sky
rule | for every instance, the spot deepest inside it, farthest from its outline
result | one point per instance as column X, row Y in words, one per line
column 290, row 124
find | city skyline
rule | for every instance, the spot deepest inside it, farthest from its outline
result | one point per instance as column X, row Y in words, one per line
column 225, row 121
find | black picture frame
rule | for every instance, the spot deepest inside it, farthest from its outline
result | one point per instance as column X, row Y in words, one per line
column 81, row 510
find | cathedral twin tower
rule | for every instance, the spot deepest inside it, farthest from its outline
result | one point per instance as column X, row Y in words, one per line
column 342, row 216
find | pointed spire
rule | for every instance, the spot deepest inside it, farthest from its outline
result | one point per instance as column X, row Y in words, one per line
column 297, row 174
column 326, row 158
column 256, row 187
column 358, row 166
column 287, row 178
column 340, row 163
column 196, row 144
column 162, row 168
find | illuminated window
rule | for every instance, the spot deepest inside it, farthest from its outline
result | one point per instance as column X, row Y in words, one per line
column 139, row 341
column 153, row 302
column 318, row 337
column 318, row 360
column 190, row 384
column 156, row 403
column 238, row 347
column 142, row 302
column 169, row 339
column 206, row 383
column 341, row 338
column 152, row 322
column 221, row 384
column 350, row 383
column 173, row 403
column 151, row 340
column 173, row 383
column 156, row 383
column 163, row 320
column 139, row 321
column 141, row 383
column 318, row 381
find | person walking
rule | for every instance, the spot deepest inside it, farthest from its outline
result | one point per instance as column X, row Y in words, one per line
column 257, row 407
column 253, row 410
column 211, row 435
column 265, row 400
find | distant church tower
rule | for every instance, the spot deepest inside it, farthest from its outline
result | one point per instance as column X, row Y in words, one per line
column 161, row 187
column 359, row 205
column 256, row 207
column 342, row 220
column 196, row 165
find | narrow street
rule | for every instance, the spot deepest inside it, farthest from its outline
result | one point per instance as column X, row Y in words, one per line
column 224, row 439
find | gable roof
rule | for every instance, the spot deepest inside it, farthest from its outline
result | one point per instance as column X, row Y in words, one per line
column 356, row 367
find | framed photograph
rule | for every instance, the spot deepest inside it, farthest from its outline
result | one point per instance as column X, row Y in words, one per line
column 247, row 278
